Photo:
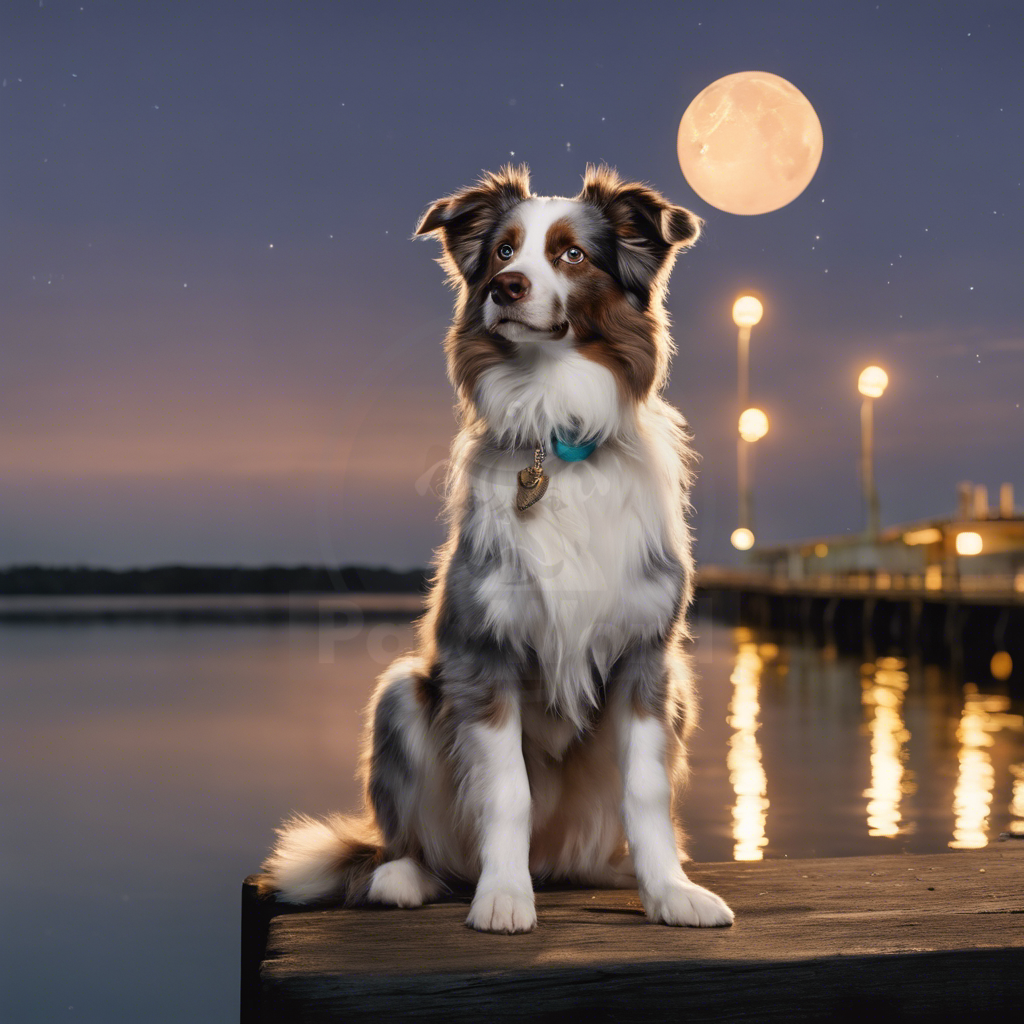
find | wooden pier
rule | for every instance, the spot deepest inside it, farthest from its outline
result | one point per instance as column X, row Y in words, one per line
column 918, row 938
column 963, row 623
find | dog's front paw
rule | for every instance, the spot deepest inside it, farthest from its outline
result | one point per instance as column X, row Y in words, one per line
column 684, row 903
column 502, row 910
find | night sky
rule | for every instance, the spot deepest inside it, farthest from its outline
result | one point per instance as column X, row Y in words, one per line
column 218, row 342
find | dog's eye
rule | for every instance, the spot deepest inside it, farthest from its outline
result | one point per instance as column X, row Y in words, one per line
column 505, row 251
column 573, row 255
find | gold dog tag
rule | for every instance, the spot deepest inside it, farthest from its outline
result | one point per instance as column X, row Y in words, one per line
column 532, row 485
column 533, row 481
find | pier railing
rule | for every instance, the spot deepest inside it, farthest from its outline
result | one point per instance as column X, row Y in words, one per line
column 999, row 589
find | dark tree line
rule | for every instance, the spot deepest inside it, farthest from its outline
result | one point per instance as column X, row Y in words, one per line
column 25, row 580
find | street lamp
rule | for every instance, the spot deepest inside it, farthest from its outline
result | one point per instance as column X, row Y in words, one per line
column 871, row 384
column 746, row 312
column 753, row 424
column 969, row 543
column 742, row 539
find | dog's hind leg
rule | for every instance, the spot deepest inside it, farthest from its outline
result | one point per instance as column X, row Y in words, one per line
column 341, row 856
column 397, row 762
column 391, row 759
column 403, row 883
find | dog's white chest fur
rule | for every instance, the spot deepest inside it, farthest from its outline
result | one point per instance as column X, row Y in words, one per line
column 569, row 578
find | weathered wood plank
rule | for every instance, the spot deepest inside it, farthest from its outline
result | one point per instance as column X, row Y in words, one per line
column 913, row 935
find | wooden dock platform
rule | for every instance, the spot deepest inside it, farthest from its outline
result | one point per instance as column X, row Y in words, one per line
column 921, row 938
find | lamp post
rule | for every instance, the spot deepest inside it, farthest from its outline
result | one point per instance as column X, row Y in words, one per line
column 871, row 384
column 753, row 424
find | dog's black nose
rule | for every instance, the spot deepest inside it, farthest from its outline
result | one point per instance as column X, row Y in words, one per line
column 509, row 287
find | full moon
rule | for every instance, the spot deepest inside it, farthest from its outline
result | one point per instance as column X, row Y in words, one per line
column 749, row 143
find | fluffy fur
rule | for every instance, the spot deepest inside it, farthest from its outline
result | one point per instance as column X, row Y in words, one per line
column 538, row 729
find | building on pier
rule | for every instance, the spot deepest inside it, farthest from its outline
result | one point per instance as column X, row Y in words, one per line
column 980, row 546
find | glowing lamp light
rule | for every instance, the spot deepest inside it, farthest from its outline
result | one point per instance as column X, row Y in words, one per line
column 1001, row 666
column 742, row 539
column 929, row 535
column 747, row 311
column 968, row 543
column 753, row 424
column 872, row 382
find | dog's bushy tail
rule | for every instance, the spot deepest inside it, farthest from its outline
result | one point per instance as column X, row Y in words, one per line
column 329, row 858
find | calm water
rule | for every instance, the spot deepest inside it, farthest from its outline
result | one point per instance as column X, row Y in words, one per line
column 144, row 767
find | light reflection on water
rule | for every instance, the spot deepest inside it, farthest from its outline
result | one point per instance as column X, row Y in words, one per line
column 145, row 766
column 883, row 693
column 983, row 717
column 746, row 773
column 985, row 721
column 1017, row 802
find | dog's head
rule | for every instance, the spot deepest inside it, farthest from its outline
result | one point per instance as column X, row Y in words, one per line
column 531, row 269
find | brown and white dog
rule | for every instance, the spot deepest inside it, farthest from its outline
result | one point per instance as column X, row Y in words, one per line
column 538, row 729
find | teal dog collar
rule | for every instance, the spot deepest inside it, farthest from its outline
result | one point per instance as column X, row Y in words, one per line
column 572, row 448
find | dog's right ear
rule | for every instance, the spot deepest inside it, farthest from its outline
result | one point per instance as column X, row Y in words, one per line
column 466, row 219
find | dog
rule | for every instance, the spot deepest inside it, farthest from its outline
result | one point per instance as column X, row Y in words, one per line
column 538, row 729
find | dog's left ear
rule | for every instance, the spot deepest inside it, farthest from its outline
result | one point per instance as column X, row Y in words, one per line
column 649, row 229
column 467, row 218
